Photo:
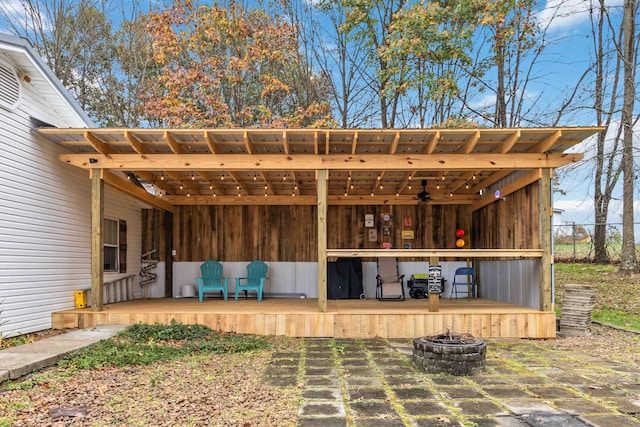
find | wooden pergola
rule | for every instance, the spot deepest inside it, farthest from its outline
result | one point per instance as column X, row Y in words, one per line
column 321, row 167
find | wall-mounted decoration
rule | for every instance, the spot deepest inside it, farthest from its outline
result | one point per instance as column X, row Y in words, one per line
column 386, row 231
column 386, row 245
column 386, row 217
column 407, row 234
column 406, row 245
column 407, row 221
column 368, row 220
column 373, row 235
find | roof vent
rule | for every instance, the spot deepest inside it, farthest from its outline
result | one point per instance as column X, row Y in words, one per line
column 9, row 87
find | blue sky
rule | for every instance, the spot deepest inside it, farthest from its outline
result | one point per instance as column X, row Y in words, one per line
column 566, row 57
column 569, row 30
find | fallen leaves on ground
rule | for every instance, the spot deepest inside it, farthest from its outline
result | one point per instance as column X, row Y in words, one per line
column 213, row 390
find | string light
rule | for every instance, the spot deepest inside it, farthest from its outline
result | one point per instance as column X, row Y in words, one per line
column 254, row 177
column 466, row 186
column 188, row 195
column 214, row 193
column 381, row 186
column 474, row 176
column 437, row 185
column 162, row 176
column 181, row 186
column 450, row 194
column 372, row 194
column 443, row 177
column 193, row 177
column 222, row 178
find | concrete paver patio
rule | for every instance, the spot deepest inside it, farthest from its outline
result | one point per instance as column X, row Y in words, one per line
column 373, row 383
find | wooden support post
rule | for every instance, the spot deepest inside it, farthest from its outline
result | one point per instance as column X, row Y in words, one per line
column 545, row 240
column 97, row 239
column 434, row 302
column 322, row 240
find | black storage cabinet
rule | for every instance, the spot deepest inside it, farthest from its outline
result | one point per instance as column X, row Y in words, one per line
column 344, row 278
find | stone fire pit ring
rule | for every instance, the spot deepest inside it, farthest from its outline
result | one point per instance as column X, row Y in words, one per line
column 454, row 354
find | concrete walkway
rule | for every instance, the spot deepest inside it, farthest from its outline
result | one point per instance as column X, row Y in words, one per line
column 23, row 359
column 373, row 383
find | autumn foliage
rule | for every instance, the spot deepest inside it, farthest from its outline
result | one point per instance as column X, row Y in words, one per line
column 229, row 67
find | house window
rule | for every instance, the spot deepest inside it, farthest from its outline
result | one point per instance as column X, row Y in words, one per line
column 111, row 247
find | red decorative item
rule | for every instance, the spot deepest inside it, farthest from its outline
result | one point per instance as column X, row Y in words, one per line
column 459, row 233
column 460, row 243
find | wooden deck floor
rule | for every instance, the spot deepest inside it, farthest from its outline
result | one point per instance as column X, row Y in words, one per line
column 343, row 319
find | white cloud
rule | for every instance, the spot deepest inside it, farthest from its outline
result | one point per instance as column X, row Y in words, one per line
column 563, row 15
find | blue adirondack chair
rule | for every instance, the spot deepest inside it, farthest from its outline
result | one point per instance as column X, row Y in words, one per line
column 212, row 279
column 256, row 275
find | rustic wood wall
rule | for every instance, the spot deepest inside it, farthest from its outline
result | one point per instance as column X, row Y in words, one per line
column 289, row 233
column 157, row 234
column 509, row 223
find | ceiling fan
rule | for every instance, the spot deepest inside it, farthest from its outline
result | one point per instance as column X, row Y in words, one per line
column 424, row 196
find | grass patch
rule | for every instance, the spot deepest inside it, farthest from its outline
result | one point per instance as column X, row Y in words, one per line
column 143, row 344
column 623, row 320
column 617, row 300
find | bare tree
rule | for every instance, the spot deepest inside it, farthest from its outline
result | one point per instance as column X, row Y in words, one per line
column 103, row 67
column 629, row 262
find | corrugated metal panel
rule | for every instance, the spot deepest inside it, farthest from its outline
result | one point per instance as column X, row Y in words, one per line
column 512, row 281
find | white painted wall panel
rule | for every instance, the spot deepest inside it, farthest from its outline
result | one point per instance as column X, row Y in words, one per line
column 45, row 230
column 300, row 277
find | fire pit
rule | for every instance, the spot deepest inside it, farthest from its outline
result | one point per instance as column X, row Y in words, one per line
column 451, row 353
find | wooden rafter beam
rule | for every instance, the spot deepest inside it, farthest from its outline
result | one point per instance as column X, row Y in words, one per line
column 491, row 179
column 238, row 181
column 508, row 144
column 285, row 142
column 296, row 187
column 431, row 146
column 354, row 143
column 315, row 143
column 247, row 142
column 210, row 141
column 470, row 144
column 394, row 144
column 267, row 183
column 312, row 200
column 99, row 145
column 126, row 186
column 135, row 142
column 510, row 188
column 301, row 162
column 547, row 143
column 173, row 144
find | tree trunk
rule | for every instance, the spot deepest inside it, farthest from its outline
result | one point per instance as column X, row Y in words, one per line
column 629, row 261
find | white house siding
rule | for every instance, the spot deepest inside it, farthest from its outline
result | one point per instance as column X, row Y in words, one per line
column 45, row 230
